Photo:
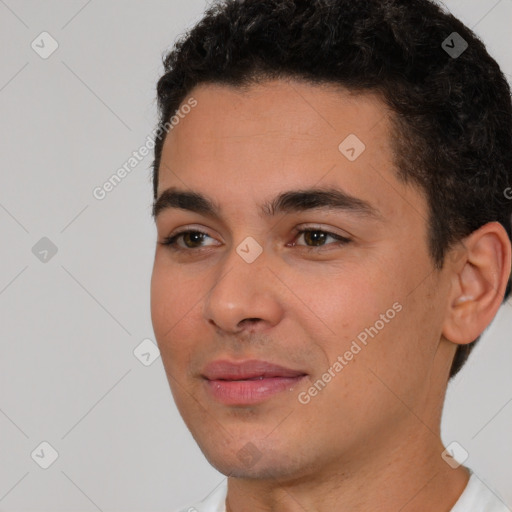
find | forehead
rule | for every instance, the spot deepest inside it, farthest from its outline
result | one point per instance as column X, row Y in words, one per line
column 286, row 114
column 280, row 135
column 285, row 107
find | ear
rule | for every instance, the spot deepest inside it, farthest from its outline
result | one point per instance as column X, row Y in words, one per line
column 480, row 268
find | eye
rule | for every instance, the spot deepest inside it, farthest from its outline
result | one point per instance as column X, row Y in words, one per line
column 188, row 240
column 314, row 237
column 308, row 237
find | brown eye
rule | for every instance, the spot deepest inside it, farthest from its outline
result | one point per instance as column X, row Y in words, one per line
column 192, row 239
column 318, row 238
column 188, row 240
column 315, row 238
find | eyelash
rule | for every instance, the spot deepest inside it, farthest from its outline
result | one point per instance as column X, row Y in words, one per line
column 171, row 241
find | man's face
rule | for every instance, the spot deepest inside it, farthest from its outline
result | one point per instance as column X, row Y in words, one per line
column 251, row 315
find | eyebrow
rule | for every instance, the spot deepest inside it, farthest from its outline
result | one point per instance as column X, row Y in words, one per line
column 294, row 201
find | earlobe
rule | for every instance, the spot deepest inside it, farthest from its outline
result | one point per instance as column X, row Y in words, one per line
column 479, row 279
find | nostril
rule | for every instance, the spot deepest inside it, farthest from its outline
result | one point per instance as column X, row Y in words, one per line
column 249, row 321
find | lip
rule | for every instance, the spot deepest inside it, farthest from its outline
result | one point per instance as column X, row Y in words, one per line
column 248, row 382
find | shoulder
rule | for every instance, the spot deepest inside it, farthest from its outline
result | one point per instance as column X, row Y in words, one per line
column 214, row 502
column 479, row 497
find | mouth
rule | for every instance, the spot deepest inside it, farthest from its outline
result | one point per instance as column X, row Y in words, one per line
column 248, row 382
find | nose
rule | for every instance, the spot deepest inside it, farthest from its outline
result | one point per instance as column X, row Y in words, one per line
column 244, row 297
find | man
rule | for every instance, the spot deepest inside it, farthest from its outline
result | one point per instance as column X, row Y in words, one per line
column 334, row 234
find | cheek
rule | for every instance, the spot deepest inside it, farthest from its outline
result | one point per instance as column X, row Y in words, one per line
column 401, row 354
column 346, row 305
column 368, row 312
column 163, row 299
column 172, row 290
column 174, row 301
column 351, row 299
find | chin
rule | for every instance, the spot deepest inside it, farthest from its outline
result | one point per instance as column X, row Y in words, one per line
column 249, row 462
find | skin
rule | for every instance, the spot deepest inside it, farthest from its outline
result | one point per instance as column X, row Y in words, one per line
column 371, row 437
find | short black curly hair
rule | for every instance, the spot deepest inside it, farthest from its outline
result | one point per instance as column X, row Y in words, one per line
column 452, row 115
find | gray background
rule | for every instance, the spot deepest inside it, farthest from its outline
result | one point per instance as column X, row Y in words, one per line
column 70, row 324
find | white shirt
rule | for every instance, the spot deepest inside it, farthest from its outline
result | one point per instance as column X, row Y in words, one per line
column 476, row 497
